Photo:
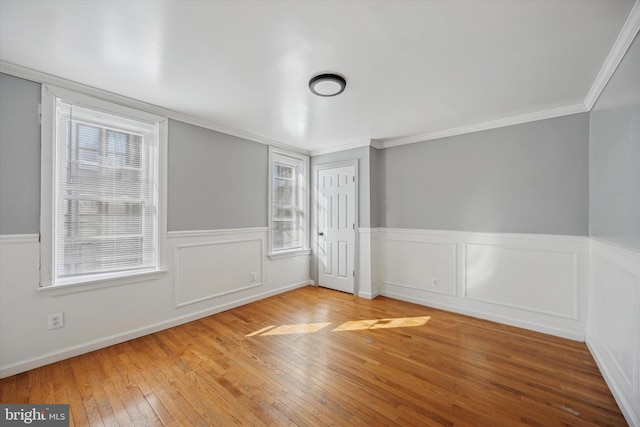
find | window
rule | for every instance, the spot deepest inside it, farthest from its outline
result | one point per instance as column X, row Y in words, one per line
column 288, row 199
column 102, row 206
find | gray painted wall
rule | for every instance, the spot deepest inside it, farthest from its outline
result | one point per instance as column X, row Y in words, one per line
column 19, row 156
column 216, row 181
column 375, row 182
column 614, row 180
column 528, row 178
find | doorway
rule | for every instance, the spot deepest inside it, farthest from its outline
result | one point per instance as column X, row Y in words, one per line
column 336, row 208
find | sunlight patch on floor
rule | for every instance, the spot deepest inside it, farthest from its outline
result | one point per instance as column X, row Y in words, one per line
column 352, row 325
column 302, row 328
column 259, row 331
column 400, row 322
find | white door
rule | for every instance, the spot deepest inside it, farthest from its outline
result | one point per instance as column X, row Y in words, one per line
column 336, row 228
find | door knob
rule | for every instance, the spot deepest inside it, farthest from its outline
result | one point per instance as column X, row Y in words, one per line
column 320, row 233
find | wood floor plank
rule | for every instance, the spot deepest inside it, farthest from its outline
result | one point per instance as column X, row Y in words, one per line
column 66, row 392
column 146, row 398
column 282, row 361
column 128, row 392
column 80, row 381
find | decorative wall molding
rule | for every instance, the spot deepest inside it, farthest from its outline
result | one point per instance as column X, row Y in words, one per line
column 377, row 144
column 487, row 236
column 613, row 331
column 624, row 311
column 215, row 269
column 487, row 314
column 148, row 307
column 559, row 269
column 40, row 77
column 436, row 260
column 481, row 126
column 533, row 281
column 343, row 147
column 619, row 49
column 19, row 238
column 214, row 233
column 102, row 342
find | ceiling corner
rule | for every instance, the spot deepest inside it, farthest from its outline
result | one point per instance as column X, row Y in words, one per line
column 625, row 38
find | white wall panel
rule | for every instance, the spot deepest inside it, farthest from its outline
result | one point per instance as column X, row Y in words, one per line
column 613, row 316
column 537, row 282
column 425, row 266
column 368, row 269
column 207, row 270
column 211, row 273
column 543, row 281
column 613, row 333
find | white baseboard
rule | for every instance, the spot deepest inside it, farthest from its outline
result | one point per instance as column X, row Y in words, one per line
column 613, row 330
column 211, row 271
column 97, row 344
column 368, row 295
column 626, row 407
column 532, row 326
column 398, row 263
column 537, row 282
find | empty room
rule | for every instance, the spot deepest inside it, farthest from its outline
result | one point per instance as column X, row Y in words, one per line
column 280, row 212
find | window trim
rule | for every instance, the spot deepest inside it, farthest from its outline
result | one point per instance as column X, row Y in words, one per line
column 305, row 249
column 47, row 191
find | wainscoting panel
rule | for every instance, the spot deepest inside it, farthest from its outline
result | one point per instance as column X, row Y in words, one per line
column 614, row 313
column 541, row 281
column 424, row 266
column 208, row 270
column 613, row 333
column 537, row 282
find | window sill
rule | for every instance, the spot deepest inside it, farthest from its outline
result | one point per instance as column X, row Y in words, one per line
column 289, row 254
column 101, row 283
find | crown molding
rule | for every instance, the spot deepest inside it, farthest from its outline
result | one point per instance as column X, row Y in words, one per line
column 492, row 124
column 625, row 38
column 619, row 49
column 45, row 78
column 342, row 147
column 377, row 144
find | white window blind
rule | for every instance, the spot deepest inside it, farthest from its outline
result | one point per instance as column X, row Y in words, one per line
column 105, row 193
column 288, row 202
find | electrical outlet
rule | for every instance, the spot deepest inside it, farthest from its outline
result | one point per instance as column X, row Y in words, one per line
column 254, row 276
column 435, row 283
column 55, row 320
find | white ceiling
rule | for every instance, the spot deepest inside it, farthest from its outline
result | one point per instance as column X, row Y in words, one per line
column 412, row 67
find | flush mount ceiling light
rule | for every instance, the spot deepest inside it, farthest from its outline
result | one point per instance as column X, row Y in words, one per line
column 327, row 84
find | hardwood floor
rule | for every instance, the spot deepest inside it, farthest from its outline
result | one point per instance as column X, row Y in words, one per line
column 281, row 361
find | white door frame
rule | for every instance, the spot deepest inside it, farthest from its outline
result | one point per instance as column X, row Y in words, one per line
column 316, row 169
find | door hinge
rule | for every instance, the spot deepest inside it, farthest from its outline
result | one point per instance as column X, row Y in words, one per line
column 354, row 273
column 354, row 226
column 40, row 113
column 354, row 178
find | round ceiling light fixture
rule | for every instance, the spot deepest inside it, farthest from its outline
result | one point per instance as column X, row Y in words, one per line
column 327, row 84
